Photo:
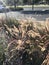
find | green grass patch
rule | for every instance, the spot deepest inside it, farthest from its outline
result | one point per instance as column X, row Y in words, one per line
column 26, row 6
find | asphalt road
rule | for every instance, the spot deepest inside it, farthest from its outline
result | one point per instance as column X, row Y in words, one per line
column 20, row 15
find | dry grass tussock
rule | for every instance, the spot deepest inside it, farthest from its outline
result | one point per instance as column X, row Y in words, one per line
column 27, row 37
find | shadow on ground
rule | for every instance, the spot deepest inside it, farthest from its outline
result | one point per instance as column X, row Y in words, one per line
column 36, row 12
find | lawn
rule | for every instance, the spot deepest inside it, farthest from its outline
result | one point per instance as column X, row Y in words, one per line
column 26, row 6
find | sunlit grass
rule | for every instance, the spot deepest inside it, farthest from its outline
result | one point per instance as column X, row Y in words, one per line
column 25, row 6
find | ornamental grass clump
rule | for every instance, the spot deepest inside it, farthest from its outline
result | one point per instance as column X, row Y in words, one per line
column 28, row 42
